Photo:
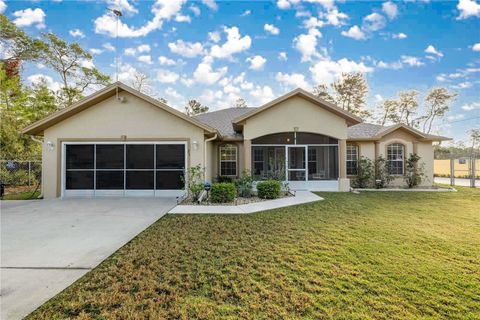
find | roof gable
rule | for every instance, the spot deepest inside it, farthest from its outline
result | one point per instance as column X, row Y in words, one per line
column 350, row 118
column 38, row 127
column 369, row 131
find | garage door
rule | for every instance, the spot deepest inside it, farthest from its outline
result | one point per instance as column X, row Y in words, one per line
column 123, row 169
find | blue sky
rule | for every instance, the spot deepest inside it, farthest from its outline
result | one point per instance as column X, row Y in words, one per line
column 218, row 51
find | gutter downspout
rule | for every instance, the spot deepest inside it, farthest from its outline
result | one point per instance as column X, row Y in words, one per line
column 41, row 144
column 205, row 149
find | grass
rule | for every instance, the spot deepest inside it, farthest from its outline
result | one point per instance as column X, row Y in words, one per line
column 392, row 255
column 25, row 195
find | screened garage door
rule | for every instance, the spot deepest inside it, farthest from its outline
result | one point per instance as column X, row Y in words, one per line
column 124, row 169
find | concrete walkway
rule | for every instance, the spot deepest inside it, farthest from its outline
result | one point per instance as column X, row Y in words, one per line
column 49, row 244
column 301, row 197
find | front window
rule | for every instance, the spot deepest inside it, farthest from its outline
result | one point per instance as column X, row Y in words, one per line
column 352, row 159
column 228, row 160
column 395, row 158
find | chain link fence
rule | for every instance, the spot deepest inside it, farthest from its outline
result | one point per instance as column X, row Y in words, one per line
column 462, row 171
column 20, row 176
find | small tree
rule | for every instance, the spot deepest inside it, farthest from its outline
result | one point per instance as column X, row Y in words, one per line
column 414, row 172
column 194, row 107
column 244, row 184
column 194, row 181
column 240, row 103
column 365, row 173
column 382, row 172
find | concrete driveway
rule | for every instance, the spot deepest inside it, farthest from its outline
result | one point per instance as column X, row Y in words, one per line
column 46, row 245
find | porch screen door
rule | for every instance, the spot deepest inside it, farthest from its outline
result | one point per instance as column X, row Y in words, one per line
column 296, row 163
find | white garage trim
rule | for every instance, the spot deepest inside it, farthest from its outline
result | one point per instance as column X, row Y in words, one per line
column 121, row 192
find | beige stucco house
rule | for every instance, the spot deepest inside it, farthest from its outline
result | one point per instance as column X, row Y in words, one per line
column 120, row 142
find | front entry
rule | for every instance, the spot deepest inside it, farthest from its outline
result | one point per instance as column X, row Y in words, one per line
column 296, row 163
column 143, row 169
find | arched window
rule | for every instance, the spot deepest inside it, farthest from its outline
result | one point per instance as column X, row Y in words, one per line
column 395, row 158
column 228, row 160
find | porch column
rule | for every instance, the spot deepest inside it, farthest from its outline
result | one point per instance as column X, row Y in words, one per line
column 247, row 152
column 342, row 158
column 377, row 149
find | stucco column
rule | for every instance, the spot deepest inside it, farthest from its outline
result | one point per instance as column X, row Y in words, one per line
column 247, row 153
column 342, row 158
column 415, row 146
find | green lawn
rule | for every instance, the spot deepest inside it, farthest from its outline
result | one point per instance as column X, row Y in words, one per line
column 369, row 256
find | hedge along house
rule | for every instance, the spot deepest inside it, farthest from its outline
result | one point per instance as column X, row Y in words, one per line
column 120, row 142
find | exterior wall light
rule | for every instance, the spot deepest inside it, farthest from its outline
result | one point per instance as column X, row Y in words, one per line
column 195, row 145
column 50, row 146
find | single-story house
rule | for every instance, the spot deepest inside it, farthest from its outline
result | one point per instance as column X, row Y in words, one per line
column 121, row 142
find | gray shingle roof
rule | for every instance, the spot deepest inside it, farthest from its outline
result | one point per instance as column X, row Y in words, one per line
column 365, row 130
column 222, row 120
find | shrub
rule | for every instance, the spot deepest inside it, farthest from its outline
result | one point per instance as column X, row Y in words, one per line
column 365, row 173
column 17, row 177
column 382, row 172
column 269, row 189
column 223, row 192
column 194, row 182
column 244, row 184
column 414, row 171
column 221, row 179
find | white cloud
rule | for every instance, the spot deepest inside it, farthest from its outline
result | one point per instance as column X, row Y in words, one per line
column 456, row 117
column 307, row 43
column 468, row 8
column 123, row 5
column 378, row 98
column 411, row 61
column 374, row 22
column 182, row 18
column 354, row 32
column 28, row 17
column 205, row 73
column 166, row 76
column 214, row 36
column 256, row 62
column 471, row 106
column 335, row 17
column 327, row 4
column 87, row 64
column 282, row 56
column 431, row 49
column 441, row 78
column 211, row 4
column 186, row 49
column 130, row 51
column 164, row 61
column 173, row 93
column 244, row 84
column 246, row 13
column 108, row 46
column 96, row 51
column 327, row 70
column 196, row 10
column 126, row 73
column 39, row 78
column 76, row 33
column 390, row 9
column 145, row 59
column 283, row 4
column 3, row 6
column 476, row 47
column 390, row 65
column 162, row 10
column 143, row 48
column 209, row 96
column 400, row 36
column 463, row 85
column 234, row 44
column 270, row 28
column 262, row 94
column 292, row 80
column 313, row 22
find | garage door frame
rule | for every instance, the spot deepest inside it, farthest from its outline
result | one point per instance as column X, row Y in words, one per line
column 125, row 192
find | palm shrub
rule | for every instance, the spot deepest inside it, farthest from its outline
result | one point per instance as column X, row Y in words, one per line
column 414, row 171
column 269, row 189
column 223, row 192
column 244, row 184
column 365, row 173
column 382, row 172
